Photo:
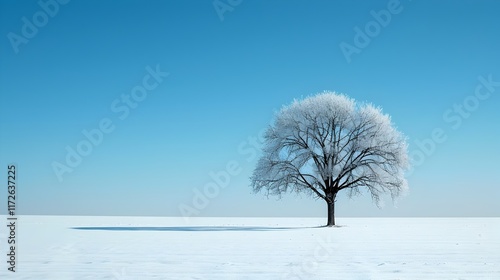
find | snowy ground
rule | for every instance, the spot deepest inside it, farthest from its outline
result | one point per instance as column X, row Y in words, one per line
column 123, row 248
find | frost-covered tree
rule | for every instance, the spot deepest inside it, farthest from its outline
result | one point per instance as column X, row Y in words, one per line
column 327, row 143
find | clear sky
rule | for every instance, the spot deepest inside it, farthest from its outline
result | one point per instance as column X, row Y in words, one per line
column 101, row 65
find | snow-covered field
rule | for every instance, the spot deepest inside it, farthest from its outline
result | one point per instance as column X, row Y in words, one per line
column 67, row 247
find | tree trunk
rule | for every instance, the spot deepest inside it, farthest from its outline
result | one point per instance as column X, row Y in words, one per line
column 331, row 214
column 330, row 201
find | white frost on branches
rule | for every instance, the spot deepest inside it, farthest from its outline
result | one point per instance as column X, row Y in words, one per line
column 327, row 143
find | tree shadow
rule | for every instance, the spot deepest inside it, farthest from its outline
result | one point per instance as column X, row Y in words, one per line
column 191, row 228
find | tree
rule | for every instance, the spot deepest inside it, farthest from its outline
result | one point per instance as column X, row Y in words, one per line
column 327, row 143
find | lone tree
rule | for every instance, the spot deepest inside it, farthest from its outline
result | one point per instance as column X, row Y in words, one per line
column 327, row 143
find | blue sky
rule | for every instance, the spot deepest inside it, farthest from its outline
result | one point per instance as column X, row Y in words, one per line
column 229, row 71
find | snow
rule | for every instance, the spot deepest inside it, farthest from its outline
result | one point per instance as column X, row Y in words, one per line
column 68, row 247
